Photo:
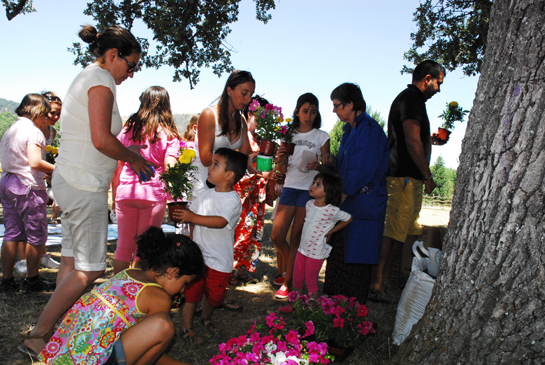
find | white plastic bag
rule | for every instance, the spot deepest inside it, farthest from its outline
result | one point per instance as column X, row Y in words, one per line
column 415, row 297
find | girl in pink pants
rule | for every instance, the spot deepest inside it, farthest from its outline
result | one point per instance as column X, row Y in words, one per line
column 323, row 218
column 141, row 205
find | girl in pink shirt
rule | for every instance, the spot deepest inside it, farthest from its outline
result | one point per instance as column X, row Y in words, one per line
column 141, row 205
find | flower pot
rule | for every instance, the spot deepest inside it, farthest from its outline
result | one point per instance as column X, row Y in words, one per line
column 267, row 147
column 443, row 134
column 175, row 206
column 289, row 148
column 341, row 353
column 264, row 163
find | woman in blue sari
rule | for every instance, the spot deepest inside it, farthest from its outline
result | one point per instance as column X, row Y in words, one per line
column 362, row 165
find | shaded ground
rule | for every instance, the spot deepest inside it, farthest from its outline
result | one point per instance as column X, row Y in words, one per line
column 20, row 311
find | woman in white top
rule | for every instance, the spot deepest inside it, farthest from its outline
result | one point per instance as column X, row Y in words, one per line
column 223, row 125
column 295, row 195
column 87, row 159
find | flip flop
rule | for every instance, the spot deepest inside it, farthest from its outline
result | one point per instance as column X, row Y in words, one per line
column 231, row 306
column 27, row 351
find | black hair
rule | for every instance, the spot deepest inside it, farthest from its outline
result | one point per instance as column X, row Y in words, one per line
column 333, row 187
column 162, row 252
column 260, row 100
column 428, row 67
column 236, row 78
column 349, row 93
column 234, row 161
column 33, row 105
column 113, row 37
column 302, row 100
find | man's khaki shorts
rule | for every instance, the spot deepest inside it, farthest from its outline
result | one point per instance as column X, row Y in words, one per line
column 403, row 208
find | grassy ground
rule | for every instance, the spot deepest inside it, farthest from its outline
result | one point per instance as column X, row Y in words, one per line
column 20, row 311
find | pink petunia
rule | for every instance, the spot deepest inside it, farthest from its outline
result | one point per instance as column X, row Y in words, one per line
column 362, row 311
column 253, row 106
column 310, row 329
column 338, row 322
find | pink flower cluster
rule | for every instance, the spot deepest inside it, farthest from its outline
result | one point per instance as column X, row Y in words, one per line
column 339, row 318
column 278, row 346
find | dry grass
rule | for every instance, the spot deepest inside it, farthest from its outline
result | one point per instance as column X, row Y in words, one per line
column 19, row 311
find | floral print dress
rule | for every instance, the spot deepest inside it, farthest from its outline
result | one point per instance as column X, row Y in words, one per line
column 93, row 325
column 253, row 192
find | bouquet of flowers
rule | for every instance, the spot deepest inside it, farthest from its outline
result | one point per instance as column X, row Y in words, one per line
column 178, row 178
column 287, row 131
column 453, row 113
column 51, row 153
column 268, row 119
column 273, row 344
column 339, row 319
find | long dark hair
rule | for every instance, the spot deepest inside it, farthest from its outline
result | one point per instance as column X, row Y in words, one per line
column 302, row 100
column 236, row 78
column 153, row 116
column 162, row 252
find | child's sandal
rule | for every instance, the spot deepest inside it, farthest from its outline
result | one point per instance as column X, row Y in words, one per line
column 190, row 336
column 207, row 323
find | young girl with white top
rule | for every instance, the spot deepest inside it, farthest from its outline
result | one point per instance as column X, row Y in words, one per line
column 23, row 194
column 291, row 206
column 321, row 221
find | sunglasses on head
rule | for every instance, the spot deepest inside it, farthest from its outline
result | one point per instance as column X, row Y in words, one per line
column 132, row 66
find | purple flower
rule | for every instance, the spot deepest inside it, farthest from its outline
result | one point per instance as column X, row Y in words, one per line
column 253, row 106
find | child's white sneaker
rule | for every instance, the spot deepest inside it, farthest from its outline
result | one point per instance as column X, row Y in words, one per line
column 20, row 267
column 47, row 261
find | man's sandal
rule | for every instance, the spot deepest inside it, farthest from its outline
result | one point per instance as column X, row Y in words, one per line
column 190, row 336
column 207, row 323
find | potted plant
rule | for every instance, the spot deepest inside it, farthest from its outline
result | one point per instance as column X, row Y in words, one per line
column 286, row 133
column 178, row 181
column 268, row 119
column 273, row 344
column 339, row 321
column 453, row 113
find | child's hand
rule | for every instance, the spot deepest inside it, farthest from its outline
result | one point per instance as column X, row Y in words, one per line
column 184, row 215
column 328, row 236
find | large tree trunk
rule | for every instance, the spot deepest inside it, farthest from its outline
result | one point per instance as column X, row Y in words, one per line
column 488, row 303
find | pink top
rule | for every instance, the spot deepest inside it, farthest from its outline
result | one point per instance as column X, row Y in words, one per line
column 153, row 189
column 13, row 152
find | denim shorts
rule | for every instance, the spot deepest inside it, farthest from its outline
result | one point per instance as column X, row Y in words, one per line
column 291, row 197
column 118, row 354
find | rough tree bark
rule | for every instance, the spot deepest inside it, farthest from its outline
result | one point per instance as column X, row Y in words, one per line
column 488, row 303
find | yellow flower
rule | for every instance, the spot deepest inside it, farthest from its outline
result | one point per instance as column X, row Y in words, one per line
column 184, row 159
column 55, row 150
column 48, row 148
column 278, row 120
column 276, row 129
column 288, row 120
column 453, row 104
column 189, row 153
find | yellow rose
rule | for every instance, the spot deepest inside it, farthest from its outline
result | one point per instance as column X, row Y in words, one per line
column 48, row 148
column 184, row 159
column 453, row 104
column 55, row 150
column 288, row 120
column 189, row 153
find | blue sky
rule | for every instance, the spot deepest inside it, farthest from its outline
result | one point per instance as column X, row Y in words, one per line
column 307, row 46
